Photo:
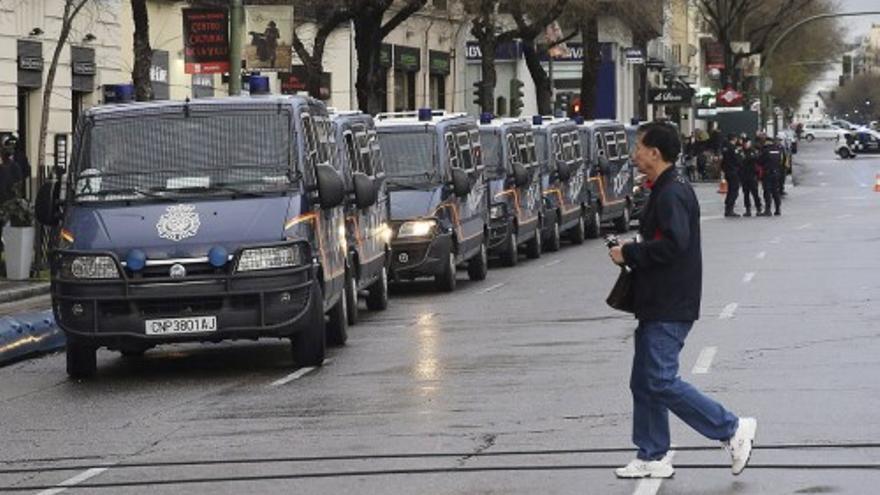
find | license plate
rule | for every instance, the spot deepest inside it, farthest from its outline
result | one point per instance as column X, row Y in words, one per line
column 171, row 326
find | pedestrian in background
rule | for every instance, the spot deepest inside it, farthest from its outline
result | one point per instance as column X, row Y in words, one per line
column 667, row 285
column 14, row 168
column 771, row 163
column 748, row 176
column 730, row 168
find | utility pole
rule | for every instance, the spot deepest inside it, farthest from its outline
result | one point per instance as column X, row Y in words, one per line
column 235, row 21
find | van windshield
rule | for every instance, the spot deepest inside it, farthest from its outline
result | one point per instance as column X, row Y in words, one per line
column 209, row 152
column 410, row 157
column 492, row 157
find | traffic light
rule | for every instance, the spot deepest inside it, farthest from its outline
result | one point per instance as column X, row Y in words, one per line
column 478, row 90
column 575, row 107
column 563, row 100
column 516, row 97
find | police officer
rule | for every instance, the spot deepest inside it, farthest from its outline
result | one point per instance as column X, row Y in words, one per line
column 730, row 163
column 748, row 175
column 771, row 162
column 14, row 168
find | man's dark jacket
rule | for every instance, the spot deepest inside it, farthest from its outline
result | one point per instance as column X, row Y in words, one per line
column 667, row 265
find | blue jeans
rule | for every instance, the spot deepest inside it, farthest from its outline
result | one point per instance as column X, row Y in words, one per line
column 657, row 389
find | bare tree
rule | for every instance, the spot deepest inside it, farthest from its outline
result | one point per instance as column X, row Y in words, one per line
column 143, row 53
column 487, row 29
column 370, row 28
column 327, row 19
column 531, row 20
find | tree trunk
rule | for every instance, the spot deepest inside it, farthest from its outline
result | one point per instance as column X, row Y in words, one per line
column 143, row 53
column 590, row 66
column 489, row 78
column 543, row 89
column 368, row 43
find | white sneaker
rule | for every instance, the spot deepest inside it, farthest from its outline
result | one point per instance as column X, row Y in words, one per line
column 740, row 444
column 638, row 468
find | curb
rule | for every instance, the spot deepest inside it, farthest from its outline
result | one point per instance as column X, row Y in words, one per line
column 28, row 334
column 11, row 295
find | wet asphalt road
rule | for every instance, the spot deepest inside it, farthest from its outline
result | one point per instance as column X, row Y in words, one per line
column 516, row 385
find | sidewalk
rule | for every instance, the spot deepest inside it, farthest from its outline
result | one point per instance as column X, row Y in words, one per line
column 15, row 290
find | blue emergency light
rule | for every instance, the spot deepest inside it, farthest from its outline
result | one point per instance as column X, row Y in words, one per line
column 486, row 118
column 579, row 119
column 218, row 256
column 136, row 260
column 537, row 120
column 425, row 114
column 259, row 85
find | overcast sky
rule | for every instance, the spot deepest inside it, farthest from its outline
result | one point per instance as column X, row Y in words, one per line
column 859, row 26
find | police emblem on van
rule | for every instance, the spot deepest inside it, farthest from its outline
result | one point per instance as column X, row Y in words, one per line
column 178, row 222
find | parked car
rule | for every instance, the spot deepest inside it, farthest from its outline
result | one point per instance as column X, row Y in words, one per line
column 863, row 141
column 368, row 236
column 563, row 180
column 819, row 130
column 610, row 173
column 198, row 222
column 439, row 210
column 843, row 124
column 514, row 177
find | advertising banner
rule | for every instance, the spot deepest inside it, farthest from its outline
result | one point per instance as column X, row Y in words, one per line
column 270, row 33
column 206, row 41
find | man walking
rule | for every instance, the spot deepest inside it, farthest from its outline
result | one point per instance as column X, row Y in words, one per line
column 667, row 282
column 748, row 175
column 730, row 168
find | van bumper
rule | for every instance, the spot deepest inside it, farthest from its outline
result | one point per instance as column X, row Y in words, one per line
column 420, row 258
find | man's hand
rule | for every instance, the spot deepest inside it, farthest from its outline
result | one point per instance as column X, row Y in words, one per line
column 616, row 254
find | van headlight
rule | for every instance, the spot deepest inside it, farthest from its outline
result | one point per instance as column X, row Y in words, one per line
column 416, row 228
column 268, row 258
column 89, row 267
column 497, row 212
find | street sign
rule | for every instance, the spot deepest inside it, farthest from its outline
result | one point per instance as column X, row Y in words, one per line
column 670, row 96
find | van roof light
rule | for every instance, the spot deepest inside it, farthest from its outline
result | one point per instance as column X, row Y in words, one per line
column 425, row 115
column 537, row 120
column 486, row 118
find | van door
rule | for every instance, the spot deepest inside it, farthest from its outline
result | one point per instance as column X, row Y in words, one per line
column 371, row 220
column 471, row 209
column 622, row 181
column 528, row 195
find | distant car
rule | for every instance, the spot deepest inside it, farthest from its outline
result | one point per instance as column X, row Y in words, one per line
column 819, row 130
column 863, row 141
column 844, row 124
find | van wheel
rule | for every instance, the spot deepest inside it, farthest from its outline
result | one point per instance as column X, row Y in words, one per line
column 337, row 323
column 82, row 359
column 445, row 280
column 809, row 138
column 554, row 242
column 351, row 296
column 843, row 153
column 377, row 294
column 621, row 223
column 534, row 246
column 478, row 266
column 511, row 251
column 579, row 232
column 594, row 230
column 309, row 345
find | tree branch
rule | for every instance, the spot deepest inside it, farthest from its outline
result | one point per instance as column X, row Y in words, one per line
column 411, row 7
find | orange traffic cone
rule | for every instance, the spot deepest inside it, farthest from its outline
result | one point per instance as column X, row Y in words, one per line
column 722, row 187
column 877, row 183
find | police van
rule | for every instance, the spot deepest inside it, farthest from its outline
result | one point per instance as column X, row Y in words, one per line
column 436, row 181
column 198, row 222
column 610, row 173
column 514, row 177
column 367, row 233
column 563, row 180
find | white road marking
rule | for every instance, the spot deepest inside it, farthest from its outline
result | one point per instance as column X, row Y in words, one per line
column 711, row 217
column 841, row 217
column 727, row 312
column 554, row 262
column 83, row 476
column 804, row 226
column 296, row 375
column 704, row 360
column 761, row 255
column 748, row 277
column 650, row 486
column 863, row 185
column 776, row 240
column 494, row 287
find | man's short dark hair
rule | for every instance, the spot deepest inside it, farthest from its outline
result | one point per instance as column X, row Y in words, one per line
column 662, row 136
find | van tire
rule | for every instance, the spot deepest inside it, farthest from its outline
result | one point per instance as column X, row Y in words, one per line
column 510, row 256
column 579, row 232
column 478, row 266
column 377, row 294
column 446, row 279
column 82, row 359
column 621, row 223
column 554, row 241
column 809, row 138
column 309, row 345
column 351, row 296
column 843, row 153
column 534, row 247
column 594, row 230
column 337, row 322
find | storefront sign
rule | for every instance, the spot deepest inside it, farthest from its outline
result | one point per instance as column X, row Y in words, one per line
column 83, row 69
column 385, row 56
column 203, row 85
column 504, row 51
column 634, row 55
column 407, row 59
column 159, row 75
column 438, row 62
column 206, row 41
column 713, row 52
column 30, row 64
column 670, row 96
column 295, row 82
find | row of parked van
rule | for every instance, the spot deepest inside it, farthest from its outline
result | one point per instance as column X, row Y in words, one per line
column 272, row 216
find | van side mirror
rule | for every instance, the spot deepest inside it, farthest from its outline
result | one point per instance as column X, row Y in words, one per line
column 46, row 204
column 604, row 164
column 365, row 190
column 520, row 175
column 461, row 183
column 331, row 189
column 563, row 170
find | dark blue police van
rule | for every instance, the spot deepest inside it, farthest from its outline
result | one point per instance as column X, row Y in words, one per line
column 514, row 176
column 439, row 210
column 198, row 221
column 563, row 171
column 367, row 233
column 610, row 173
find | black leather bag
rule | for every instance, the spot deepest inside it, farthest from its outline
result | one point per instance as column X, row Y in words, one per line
column 621, row 296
